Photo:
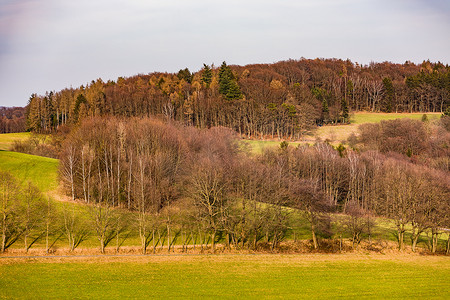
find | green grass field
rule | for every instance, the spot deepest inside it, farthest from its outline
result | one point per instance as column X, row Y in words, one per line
column 7, row 139
column 41, row 171
column 227, row 276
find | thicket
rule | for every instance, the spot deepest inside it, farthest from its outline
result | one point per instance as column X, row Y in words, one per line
column 423, row 142
column 284, row 99
column 12, row 119
column 38, row 144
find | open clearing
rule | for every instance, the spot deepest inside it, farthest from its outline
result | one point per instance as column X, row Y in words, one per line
column 7, row 139
column 228, row 276
column 336, row 134
column 367, row 117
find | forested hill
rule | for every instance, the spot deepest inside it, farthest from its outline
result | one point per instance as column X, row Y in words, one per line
column 284, row 99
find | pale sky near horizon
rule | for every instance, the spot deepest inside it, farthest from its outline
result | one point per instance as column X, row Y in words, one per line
column 48, row 45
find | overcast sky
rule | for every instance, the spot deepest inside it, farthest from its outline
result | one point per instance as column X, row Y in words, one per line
column 48, row 45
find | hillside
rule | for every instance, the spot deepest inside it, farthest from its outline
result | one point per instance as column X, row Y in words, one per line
column 148, row 169
column 41, row 171
column 284, row 100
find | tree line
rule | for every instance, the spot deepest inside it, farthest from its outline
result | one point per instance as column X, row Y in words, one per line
column 283, row 100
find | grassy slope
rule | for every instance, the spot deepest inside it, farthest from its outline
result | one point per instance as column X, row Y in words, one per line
column 41, row 171
column 7, row 139
column 228, row 276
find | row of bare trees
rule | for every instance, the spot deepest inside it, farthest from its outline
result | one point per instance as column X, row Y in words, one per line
column 21, row 207
column 28, row 216
column 414, row 197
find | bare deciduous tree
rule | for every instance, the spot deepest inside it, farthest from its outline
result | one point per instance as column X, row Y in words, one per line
column 10, row 210
column 105, row 224
column 73, row 228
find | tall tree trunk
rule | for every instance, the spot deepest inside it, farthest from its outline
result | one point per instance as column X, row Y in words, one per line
column 448, row 244
column 102, row 245
column 314, row 238
column 400, row 236
column 168, row 237
column 4, row 232
column 46, row 238
column 130, row 175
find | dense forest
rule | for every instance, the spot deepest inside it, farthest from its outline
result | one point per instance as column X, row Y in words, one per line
column 12, row 119
column 284, row 99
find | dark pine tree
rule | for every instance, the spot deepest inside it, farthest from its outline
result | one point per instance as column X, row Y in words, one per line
column 227, row 83
column 207, row 75
column 186, row 75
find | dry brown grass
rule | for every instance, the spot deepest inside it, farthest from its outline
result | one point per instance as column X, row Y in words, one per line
column 302, row 249
column 281, row 258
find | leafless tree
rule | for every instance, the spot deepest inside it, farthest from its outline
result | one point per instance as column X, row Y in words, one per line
column 68, row 167
column 73, row 228
column 104, row 223
column 207, row 189
column 32, row 218
column 312, row 203
column 375, row 89
column 10, row 210
column 51, row 225
column 355, row 221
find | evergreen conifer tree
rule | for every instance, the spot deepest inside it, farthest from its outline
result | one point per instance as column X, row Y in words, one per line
column 227, row 83
column 207, row 75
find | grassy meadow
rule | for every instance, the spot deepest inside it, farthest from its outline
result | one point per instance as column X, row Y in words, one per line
column 337, row 134
column 367, row 117
column 7, row 139
column 227, row 276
